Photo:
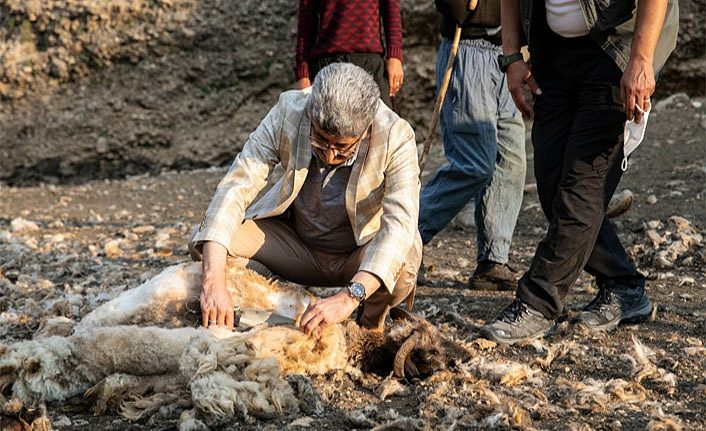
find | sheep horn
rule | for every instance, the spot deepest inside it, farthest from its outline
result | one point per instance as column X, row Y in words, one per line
column 402, row 354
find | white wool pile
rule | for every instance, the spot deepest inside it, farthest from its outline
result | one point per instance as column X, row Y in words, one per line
column 598, row 395
column 644, row 368
column 137, row 371
column 227, row 379
column 21, row 225
column 189, row 422
column 505, row 373
column 662, row 422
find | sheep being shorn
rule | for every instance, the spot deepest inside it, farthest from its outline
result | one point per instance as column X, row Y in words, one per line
column 136, row 369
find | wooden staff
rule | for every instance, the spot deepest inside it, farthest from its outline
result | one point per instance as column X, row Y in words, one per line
column 442, row 92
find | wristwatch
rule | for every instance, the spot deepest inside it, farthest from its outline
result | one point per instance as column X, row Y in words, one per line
column 356, row 291
column 505, row 60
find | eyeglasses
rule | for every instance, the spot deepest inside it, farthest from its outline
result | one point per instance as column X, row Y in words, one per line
column 339, row 149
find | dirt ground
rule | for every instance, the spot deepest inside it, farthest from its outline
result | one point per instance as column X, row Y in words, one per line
column 105, row 174
column 101, row 237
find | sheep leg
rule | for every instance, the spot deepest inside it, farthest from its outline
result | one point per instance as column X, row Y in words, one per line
column 163, row 299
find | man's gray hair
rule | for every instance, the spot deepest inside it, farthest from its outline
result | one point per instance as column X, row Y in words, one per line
column 343, row 99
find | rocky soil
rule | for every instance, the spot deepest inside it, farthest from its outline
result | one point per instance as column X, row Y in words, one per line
column 107, row 165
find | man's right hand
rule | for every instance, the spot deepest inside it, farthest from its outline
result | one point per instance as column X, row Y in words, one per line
column 303, row 83
column 519, row 75
column 216, row 306
column 216, row 303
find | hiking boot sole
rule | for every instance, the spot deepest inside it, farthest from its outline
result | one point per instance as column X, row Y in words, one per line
column 490, row 335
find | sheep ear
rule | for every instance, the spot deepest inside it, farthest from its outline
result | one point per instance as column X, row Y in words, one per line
column 32, row 365
column 8, row 365
column 410, row 370
column 6, row 381
column 399, row 313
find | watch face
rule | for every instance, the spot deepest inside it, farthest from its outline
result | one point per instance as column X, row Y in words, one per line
column 357, row 291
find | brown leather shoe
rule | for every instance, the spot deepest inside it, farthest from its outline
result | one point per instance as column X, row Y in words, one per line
column 620, row 203
column 493, row 276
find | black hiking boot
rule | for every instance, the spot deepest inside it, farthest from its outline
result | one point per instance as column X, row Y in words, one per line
column 614, row 305
column 422, row 275
column 517, row 322
column 493, row 276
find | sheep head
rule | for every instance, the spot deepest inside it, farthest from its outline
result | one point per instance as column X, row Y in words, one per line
column 40, row 370
column 9, row 364
column 422, row 350
column 411, row 347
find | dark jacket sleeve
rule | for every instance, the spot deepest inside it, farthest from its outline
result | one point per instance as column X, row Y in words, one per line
column 392, row 23
column 454, row 9
column 306, row 36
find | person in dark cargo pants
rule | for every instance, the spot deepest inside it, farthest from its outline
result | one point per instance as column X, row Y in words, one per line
column 593, row 66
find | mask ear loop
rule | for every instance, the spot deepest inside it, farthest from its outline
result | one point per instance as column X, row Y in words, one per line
column 624, row 163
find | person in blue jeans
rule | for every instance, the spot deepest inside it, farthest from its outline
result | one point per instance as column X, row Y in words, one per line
column 484, row 142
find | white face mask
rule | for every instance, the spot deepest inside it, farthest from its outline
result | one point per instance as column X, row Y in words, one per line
column 633, row 134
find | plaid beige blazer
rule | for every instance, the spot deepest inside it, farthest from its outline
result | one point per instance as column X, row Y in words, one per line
column 382, row 196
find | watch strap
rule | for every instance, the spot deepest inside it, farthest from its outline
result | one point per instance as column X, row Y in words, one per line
column 505, row 60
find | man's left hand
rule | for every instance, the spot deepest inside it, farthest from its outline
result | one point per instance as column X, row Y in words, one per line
column 395, row 74
column 328, row 311
column 636, row 87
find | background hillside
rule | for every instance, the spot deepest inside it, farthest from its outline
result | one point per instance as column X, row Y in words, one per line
column 103, row 89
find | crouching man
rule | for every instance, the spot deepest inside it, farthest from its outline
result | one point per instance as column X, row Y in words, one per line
column 344, row 213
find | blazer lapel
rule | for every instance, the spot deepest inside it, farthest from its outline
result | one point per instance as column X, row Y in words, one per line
column 303, row 152
column 298, row 166
column 354, row 190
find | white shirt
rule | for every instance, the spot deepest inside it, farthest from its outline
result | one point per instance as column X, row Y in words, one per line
column 565, row 18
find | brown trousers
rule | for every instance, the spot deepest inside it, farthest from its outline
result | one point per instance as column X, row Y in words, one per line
column 272, row 247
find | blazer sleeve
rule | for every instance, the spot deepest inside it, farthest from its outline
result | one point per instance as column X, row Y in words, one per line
column 386, row 252
column 245, row 178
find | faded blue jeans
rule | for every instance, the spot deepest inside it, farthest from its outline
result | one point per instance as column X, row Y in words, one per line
column 484, row 142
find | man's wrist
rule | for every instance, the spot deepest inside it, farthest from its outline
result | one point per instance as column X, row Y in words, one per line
column 351, row 302
column 504, row 61
column 640, row 58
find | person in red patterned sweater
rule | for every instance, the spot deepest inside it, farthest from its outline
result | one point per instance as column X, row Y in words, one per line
column 349, row 31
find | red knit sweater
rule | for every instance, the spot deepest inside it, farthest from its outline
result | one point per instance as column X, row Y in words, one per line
column 346, row 26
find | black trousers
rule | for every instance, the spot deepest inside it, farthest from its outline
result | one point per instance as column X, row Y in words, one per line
column 577, row 139
column 372, row 63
